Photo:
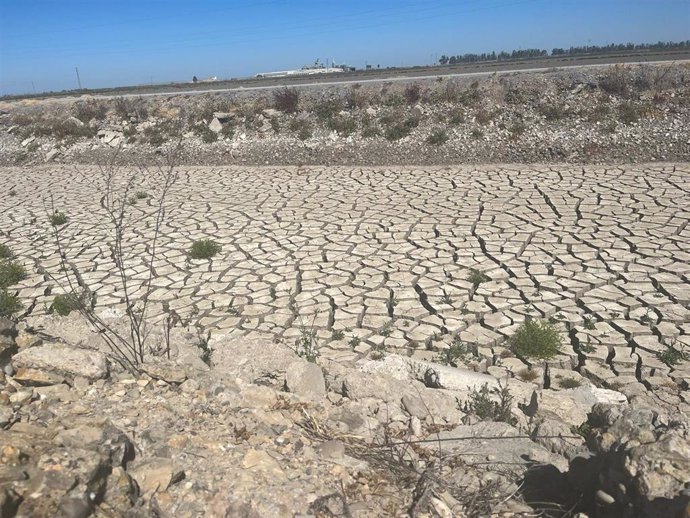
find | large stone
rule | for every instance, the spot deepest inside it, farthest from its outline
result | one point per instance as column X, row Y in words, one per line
column 153, row 475
column 255, row 358
column 216, row 126
column 431, row 374
column 63, row 360
column 306, row 380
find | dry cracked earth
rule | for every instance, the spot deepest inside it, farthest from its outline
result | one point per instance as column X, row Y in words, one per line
column 379, row 259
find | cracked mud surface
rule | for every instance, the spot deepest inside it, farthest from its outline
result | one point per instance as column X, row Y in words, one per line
column 384, row 255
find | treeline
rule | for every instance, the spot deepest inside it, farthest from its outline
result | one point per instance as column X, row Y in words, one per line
column 572, row 51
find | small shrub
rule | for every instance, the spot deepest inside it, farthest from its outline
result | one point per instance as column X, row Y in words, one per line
column 343, row 125
column 64, row 304
column 307, row 346
column 457, row 352
column 328, row 108
column 589, row 323
column 128, row 107
column 286, row 100
column 528, row 374
column 629, row 113
column 614, row 82
column 204, row 249
column 438, row 137
column 155, row 136
column 354, row 341
column 58, row 218
column 387, row 329
column 413, row 93
column 399, row 130
column 302, row 128
column 476, row 277
column 517, row 128
column 553, row 112
column 370, row 130
column 141, row 195
column 207, row 134
column 11, row 272
column 275, row 124
column 86, row 111
column 476, row 133
column 491, row 404
column 5, row 252
column 569, row 383
column 599, row 113
column 673, row 355
column 9, row 304
column 456, row 116
column 337, row 334
column 484, row 116
column 228, row 130
column 536, row 339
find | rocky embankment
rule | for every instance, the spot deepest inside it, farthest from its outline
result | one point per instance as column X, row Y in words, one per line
column 624, row 113
column 255, row 430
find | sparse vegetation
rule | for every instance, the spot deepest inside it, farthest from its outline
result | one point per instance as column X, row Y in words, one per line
column 527, row 374
column 536, row 339
column 413, row 93
column 457, row 352
column 11, row 272
column 204, row 249
column 491, row 404
column 206, row 134
column 569, row 383
column 476, row 277
column 64, row 304
column 673, row 354
column 286, row 100
column 438, row 137
column 58, row 218
column 9, row 303
column 5, row 252
column 343, row 125
column 629, row 113
column 338, row 334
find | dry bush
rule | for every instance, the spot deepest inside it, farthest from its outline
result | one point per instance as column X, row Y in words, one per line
column 357, row 98
column 326, row 109
column 131, row 107
column 412, row 93
column 286, row 100
column 86, row 111
column 614, row 81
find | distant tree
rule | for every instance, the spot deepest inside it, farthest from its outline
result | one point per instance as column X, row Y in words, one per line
column 194, row 79
column 443, row 60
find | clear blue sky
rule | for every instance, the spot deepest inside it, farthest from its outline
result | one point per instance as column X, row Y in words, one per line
column 124, row 42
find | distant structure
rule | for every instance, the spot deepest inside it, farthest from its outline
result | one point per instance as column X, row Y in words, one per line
column 207, row 80
column 309, row 70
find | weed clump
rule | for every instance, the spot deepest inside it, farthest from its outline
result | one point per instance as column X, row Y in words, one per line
column 9, row 303
column 343, row 125
column 286, row 100
column 673, row 355
column 5, row 252
column 569, row 383
column 438, row 137
column 455, row 354
column 536, row 339
column 64, row 304
column 491, row 404
column 204, row 249
column 476, row 277
column 11, row 272
column 58, row 218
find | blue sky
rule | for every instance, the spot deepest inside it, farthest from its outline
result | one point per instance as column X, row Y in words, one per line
column 134, row 42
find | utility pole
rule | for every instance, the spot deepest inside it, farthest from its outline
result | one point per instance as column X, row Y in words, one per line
column 33, row 87
column 78, row 79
